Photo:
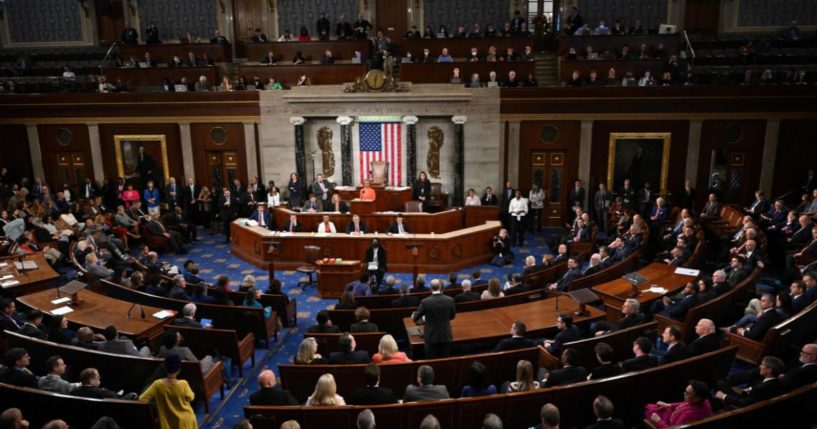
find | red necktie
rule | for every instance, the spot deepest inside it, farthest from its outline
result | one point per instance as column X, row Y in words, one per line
column 327, row 227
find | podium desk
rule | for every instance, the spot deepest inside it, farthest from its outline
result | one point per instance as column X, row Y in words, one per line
column 386, row 198
column 478, row 215
column 420, row 223
column 98, row 311
column 491, row 325
column 440, row 253
column 42, row 278
column 334, row 276
column 615, row 292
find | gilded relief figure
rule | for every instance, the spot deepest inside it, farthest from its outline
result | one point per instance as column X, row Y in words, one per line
column 325, row 144
column 435, row 142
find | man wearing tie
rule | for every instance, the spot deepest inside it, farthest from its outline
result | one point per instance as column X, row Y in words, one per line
column 292, row 225
column 398, row 227
column 311, row 205
column 7, row 320
column 261, row 216
column 601, row 201
column 759, row 206
column 326, row 227
column 172, row 196
column 88, row 190
column 573, row 272
column 356, row 226
column 228, row 206
column 376, row 261
column 189, row 199
column 257, row 189
column 322, row 189
column 518, row 210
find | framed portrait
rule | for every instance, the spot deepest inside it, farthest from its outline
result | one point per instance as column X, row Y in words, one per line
column 640, row 157
column 140, row 158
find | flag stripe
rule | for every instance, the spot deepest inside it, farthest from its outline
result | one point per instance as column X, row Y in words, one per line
column 381, row 142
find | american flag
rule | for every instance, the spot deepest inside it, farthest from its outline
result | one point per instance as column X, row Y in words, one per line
column 381, row 141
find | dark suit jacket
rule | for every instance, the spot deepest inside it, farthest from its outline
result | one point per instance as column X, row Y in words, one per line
column 604, row 371
column 421, row 189
column 764, row 390
column 350, row 227
column 566, row 375
column 318, row 329
column 638, row 363
column 372, row 395
column 406, row 301
column 228, row 212
column 521, row 287
column 513, row 343
column 763, row 324
column 566, row 335
column 186, row 321
column 627, row 322
column 287, row 224
column 438, row 310
column 272, row 396
column 800, row 376
column 267, row 219
column 33, row 331
column 574, row 196
column 17, row 377
column 675, row 353
column 393, row 228
column 381, row 257
column 466, row 296
column 95, row 392
column 363, row 327
column 564, row 282
column 488, row 200
column 705, row 344
column 607, row 424
column 343, row 358
column 429, row 392
column 679, row 309
column 736, row 276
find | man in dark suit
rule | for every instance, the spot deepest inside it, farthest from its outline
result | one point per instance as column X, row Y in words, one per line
column 376, row 261
column 34, row 320
column 228, row 210
column 155, row 227
column 324, row 324
column 573, row 273
column 188, row 317
column 347, row 353
column 172, row 196
column 567, row 332
column 435, row 313
column 356, row 226
column 17, row 372
column 738, row 270
column 7, row 319
column 398, row 227
column 767, row 320
column 262, row 216
column 292, row 225
column 113, row 344
column 425, row 390
column 593, row 266
column 257, row 189
column 87, row 191
column 642, row 360
column 686, row 197
column 676, row 350
column 488, row 198
column 769, row 386
column 759, row 206
column 270, row 393
column 179, row 222
column 322, row 190
column 405, row 299
column 467, row 294
column 372, row 393
column 517, row 340
column 189, row 199
column 362, row 325
column 90, row 388
column 569, row 372
column 707, row 341
column 630, row 316
column 517, row 285
column 575, row 198
column 603, row 409
column 806, row 372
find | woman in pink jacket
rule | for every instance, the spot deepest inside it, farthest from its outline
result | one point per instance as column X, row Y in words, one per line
column 694, row 407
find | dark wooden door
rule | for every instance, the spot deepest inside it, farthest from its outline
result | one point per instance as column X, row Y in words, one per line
column 701, row 16
column 249, row 15
column 729, row 167
column 392, row 18
column 548, row 173
column 71, row 169
column 110, row 21
column 222, row 169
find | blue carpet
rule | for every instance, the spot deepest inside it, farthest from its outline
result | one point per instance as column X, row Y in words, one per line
column 215, row 259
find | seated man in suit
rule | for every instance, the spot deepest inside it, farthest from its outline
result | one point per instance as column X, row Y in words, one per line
column 356, row 226
column 467, row 294
column 324, row 324
column 270, row 393
column 348, row 354
column 179, row 289
column 405, row 299
column 188, row 317
column 707, row 341
column 567, row 332
column 389, row 289
column 806, row 372
column 594, row 265
column 33, row 325
column 372, row 393
column 768, row 387
column 312, row 205
column 630, row 317
column 573, row 273
column 362, row 323
column 606, row 368
column 90, row 380
column 517, row 340
column 291, row 225
column 96, row 268
column 16, row 372
column 398, row 227
column 642, row 360
column 517, row 285
column 603, row 409
column 425, row 390
column 7, row 316
column 114, row 344
column 262, row 216
column 569, row 372
column 767, row 319
column 676, row 350
column 155, row 227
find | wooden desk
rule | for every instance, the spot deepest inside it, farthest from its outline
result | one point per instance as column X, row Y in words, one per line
column 615, row 43
column 478, row 215
column 164, row 52
column 153, row 76
column 615, row 292
column 98, row 311
column 491, row 325
column 461, row 48
column 334, row 276
column 636, row 67
column 420, row 223
column 285, row 51
column 44, row 277
column 440, row 253
column 319, row 74
column 442, row 72
column 388, row 198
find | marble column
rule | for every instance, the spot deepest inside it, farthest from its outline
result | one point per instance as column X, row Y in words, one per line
column 585, row 149
column 769, row 155
column 694, row 150
column 512, row 168
column 96, row 152
column 345, row 150
column 34, row 147
column 459, row 160
column 411, row 148
column 188, row 165
column 250, row 149
column 300, row 150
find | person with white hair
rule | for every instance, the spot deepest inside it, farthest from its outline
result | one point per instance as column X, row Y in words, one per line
column 365, row 420
column 467, row 294
column 188, row 317
column 594, row 266
column 707, row 340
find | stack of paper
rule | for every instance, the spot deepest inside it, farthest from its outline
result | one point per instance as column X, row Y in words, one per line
column 62, row 310
column 164, row 314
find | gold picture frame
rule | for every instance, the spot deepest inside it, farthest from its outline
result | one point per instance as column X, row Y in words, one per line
column 644, row 149
column 127, row 153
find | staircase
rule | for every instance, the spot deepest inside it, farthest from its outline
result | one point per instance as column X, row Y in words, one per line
column 547, row 68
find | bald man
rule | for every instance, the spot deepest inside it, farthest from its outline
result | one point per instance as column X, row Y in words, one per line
column 707, row 340
column 13, row 418
column 807, row 371
column 270, row 393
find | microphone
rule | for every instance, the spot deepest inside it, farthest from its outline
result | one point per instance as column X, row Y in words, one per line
column 142, row 311
column 129, row 310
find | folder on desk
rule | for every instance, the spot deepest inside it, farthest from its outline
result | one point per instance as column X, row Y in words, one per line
column 25, row 266
column 414, row 330
column 635, row 278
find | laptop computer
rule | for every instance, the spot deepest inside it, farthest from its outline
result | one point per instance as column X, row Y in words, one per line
column 180, row 87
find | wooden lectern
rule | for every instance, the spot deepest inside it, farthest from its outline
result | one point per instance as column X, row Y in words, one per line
column 72, row 290
column 583, row 297
column 273, row 250
column 414, row 248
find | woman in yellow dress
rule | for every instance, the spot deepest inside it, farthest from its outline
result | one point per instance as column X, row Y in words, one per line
column 172, row 397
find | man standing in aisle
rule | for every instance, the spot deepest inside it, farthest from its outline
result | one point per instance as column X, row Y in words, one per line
column 436, row 312
column 518, row 210
column 228, row 208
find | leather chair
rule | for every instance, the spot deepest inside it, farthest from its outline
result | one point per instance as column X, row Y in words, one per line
column 380, row 173
column 414, row 206
column 313, row 253
column 437, row 200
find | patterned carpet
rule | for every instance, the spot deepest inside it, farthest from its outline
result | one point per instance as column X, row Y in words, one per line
column 214, row 258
